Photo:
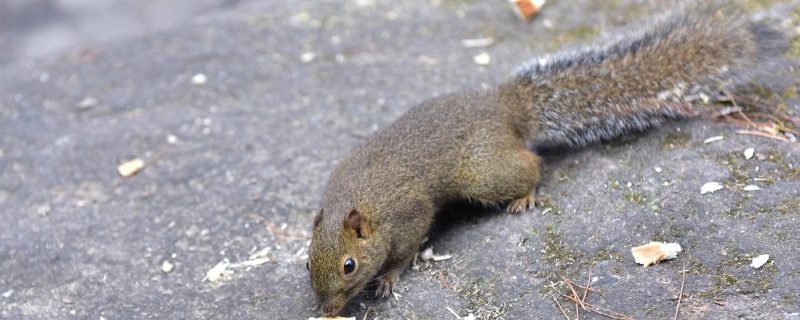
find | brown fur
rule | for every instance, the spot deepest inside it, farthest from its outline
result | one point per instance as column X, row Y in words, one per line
column 381, row 199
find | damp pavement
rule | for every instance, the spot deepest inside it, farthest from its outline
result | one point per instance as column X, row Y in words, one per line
column 240, row 109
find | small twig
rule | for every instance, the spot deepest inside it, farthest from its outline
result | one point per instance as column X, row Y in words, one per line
column 603, row 311
column 360, row 136
column 365, row 314
column 761, row 134
column 585, row 305
column 680, row 296
column 277, row 231
column 560, row 307
column 444, row 282
column 771, row 111
column 771, row 117
column 587, row 288
column 454, row 313
column 769, row 106
column 747, row 119
column 160, row 153
column 588, row 283
column 599, row 310
column 779, row 125
column 573, row 284
column 739, row 110
column 571, row 287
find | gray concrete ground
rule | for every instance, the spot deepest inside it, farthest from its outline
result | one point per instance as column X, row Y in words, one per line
column 294, row 85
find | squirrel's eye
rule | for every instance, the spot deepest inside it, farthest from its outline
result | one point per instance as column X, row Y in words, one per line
column 349, row 266
column 307, row 267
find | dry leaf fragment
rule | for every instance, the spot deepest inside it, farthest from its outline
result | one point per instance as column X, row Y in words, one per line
column 332, row 318
column 130, row 167
column 759, row 261
column 654, row 252
column 526, row 9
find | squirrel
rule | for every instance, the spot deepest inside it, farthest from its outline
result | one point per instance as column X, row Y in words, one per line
column 381, row 200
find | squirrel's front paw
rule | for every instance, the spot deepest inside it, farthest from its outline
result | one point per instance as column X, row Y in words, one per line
column 521, row 205
column 386, row 283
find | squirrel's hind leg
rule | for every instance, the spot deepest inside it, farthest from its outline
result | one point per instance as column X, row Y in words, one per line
column 522, row 204
column 509, row 177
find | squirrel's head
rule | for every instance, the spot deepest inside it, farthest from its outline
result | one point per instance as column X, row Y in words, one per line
column 343, row 258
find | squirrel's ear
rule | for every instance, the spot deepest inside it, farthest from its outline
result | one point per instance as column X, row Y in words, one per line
column 318, row 217
column 357, row 222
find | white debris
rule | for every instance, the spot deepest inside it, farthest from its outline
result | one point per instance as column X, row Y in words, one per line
column 130, row 167
column 199, row 79
column 87, row 103
column 751, row 187
column 748, row 153
column 454, row 313
column 712, row 139
column 218, row 271
column 477, row 43
column 307, row 57
column 482, row 59
column 250, row 263
column 167, row 266
column 172, row 139
column 438, row 258
column 44, row 209
column 260, row 254
column 710, row 187
column 759, row 261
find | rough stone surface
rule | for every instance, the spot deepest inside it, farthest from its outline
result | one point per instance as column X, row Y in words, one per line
column 260, row 137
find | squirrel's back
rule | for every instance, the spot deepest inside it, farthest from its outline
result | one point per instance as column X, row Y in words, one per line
column 640, row 81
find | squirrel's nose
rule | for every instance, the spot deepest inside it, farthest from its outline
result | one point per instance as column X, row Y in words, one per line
column 327, row 309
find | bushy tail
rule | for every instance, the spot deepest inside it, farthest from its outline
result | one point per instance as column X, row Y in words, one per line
column 639, row 82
